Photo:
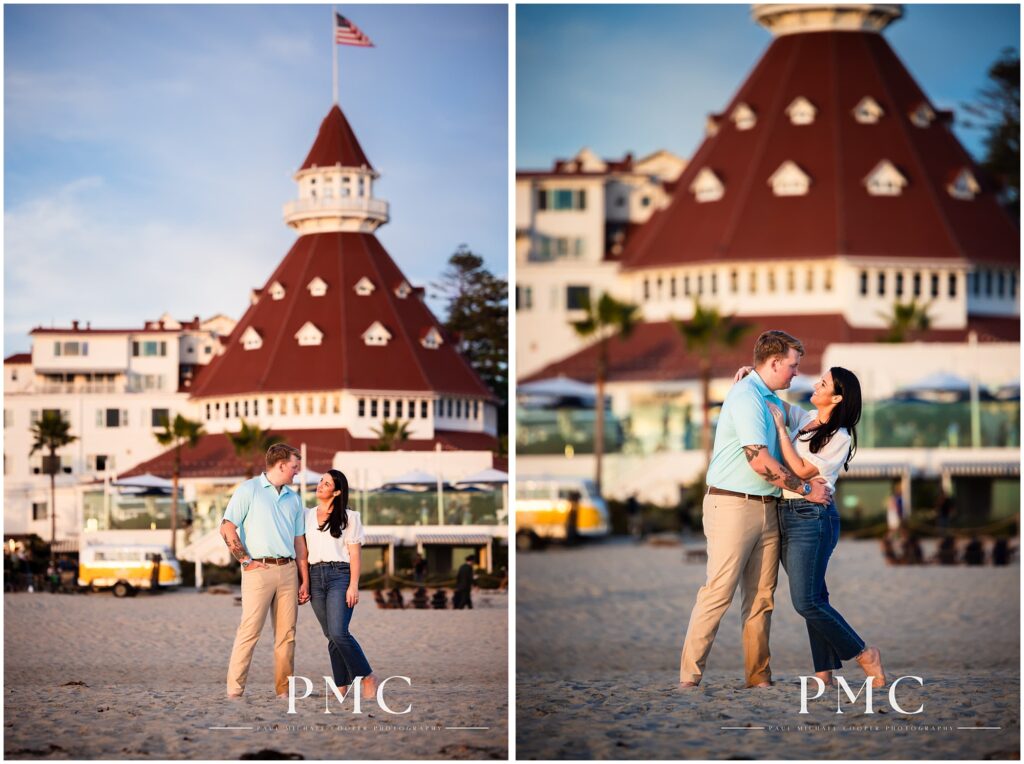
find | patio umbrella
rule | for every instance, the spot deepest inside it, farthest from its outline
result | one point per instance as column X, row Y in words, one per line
column 490, row 476
column 415, row 477
column 144, row 482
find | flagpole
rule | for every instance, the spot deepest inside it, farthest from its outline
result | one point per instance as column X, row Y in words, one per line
column 334, row 52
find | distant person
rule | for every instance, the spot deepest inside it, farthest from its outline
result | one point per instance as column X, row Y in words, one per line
column 634, row 518
column 419, row 569
column 974, row 552
column 889, row 551
column 944, row 511
column 378, row 597
column 572, row 519
column 464, row 585
column 25, row 568
column 894, row 508
column 1001, row 552
column 946, row 554
column 440, row 600
column 420, row 601
column 154, row 573
column 395, row 600
column 52, row 576
column 912, row 552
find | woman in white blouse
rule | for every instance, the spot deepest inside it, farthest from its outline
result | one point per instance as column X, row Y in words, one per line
column 821, row 443
column 334, row 538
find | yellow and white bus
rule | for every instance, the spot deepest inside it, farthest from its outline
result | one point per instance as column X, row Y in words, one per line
column 542, row 509
column 126, row 568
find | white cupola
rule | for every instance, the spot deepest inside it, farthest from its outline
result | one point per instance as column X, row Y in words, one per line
column 336, row 184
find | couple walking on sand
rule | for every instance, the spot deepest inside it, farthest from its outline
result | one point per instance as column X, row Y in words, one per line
column 770, row 485
column 291, row 555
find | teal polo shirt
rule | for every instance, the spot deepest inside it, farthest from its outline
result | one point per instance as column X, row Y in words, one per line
column 744, row 421
column 267, row 521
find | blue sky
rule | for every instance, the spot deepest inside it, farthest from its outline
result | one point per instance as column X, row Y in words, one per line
column 640, row 78
column 149, row 149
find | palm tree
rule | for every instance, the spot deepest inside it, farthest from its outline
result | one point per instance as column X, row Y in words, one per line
column 905, row 320
column 704, row 334
column 608, row 318
column 50, row 433
column 391, row 433
column 180, row 433
column 250, row 443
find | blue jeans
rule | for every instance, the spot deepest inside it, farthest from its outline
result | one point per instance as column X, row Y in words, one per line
column 328, row 582
column 809, row 532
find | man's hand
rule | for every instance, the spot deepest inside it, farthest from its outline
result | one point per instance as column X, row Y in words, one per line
column 253, row 565
column 303, row 593
column 741, row 372
column 352, row 595
column 820, row 492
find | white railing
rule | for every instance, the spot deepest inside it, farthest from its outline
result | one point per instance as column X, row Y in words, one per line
column 332, row 205
column 80, row 389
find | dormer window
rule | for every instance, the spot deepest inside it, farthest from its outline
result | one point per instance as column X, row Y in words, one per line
column 964, row 186
column 309, row 334
column 711, row 125
column 801, row 111
column 868, row 112
column 376, row 335
column 885, row 180
column 277, row 291
column 254, row 296
column 251, row 339
column 403, row 290
column 364, row 287
column 706, row 187
column 432, row 339
column 317, row 287
column 743, row 117
column 789, row 180
column 923, row 115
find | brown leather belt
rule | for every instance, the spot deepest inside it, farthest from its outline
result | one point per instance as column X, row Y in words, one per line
column 273, row 560
column 747, row 496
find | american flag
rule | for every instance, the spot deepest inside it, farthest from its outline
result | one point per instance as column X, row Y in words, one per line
column 347, row 33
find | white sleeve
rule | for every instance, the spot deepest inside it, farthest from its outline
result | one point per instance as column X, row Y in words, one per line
column 800, row 418
column 354, row 533
column 829, row 460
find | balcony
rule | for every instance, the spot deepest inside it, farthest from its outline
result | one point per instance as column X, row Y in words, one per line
column 336, row 207
column 86, row 388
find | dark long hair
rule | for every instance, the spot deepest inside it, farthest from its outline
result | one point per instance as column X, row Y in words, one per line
column 845, row 414
column 338, row 519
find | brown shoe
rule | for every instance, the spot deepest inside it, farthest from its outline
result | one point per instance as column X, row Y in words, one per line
column 871, row 661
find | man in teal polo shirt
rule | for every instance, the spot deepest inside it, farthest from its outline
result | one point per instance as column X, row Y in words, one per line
column 264, row 527
column 744, row 479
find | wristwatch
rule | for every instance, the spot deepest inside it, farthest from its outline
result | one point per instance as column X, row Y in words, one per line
column 805, row 489
column 246, row 563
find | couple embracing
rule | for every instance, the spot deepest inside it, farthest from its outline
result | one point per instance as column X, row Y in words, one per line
column 770, row 485
column 291, row 555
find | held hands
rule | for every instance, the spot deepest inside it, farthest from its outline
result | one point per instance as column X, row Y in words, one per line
column 352, row 595
column 303, row 593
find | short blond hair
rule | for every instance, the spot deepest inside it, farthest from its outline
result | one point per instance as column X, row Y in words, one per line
column 281, row 452
column 775, row 343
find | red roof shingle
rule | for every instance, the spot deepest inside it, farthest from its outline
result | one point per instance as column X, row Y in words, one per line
column 336, row 143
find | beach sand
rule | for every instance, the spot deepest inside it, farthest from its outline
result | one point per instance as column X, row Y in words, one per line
column 154, row 668
column 600, row 629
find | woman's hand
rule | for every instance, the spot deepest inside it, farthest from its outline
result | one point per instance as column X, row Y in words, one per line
column 741, row 372
column 352, row 595
column 303, row 594
column 777, row 415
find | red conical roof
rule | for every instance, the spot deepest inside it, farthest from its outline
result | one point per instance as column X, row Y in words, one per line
column 833, row 70
column 342, row 360
column 336, row 144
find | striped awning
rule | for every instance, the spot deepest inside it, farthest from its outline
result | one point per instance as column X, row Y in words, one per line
column 379, row 539
column 64, row 545
column 877, row 470
column 983, row 469
column 454, row 539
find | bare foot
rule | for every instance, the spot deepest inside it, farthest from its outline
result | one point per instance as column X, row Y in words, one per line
column 871, row 661
column 687, row 685
column 826, row 677
column 234, row 696
column 368, row 688
column 761, row 685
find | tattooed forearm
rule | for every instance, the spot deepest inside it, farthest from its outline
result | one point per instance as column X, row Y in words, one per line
column 768, row 475
column 751, row 452
column 793, row 483
column 234, row 544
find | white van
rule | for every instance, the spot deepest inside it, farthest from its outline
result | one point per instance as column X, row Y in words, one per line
column 542, row 509
column 126, row 568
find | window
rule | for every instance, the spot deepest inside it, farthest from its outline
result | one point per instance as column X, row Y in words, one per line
column 412, row 409
column 111, row 418
column 39, row 510
column 577, row 297
column 450, row 408
column 952, row 285
column 160, row 417
column 714, row 283
column 881, row 282
column 149, row 348
column 373, row 408
column 251, row 339
column 458, row 408
column 99, row 462
column 437, row 408
column 899, row 283
column 561, row 199
column 706, row 187
column 885, row 180
column 863, row 283
column 988, row 283
column 734, row 281
column 790, row 280
column 659, row 284
column 423, row 409
column 771, row 279
column 645, row 201
column 916, row 280
column 1013, row 285
column 255, row 407
column 270, row 405
column 71, row 348
column 867, row 111
column 527, row 297
column 245, row 408
column 432, row 339
column 207, row 412
column 309, row 405
column 789, row 180
column 364, row 287
column 700, row 283
column 809, row 284
column 672, row 287
column 1001, row 288
column 647, row 289
column 361, row 406
column 973, row 283
column 556, row 248
column 743, row 117
column 753, row 281
column 935, row 284
column 8, row 418
column 801, row 111
column 399, row 408
column 686, row 286
column 337, row 404
column 277, row 291
column 376, row 335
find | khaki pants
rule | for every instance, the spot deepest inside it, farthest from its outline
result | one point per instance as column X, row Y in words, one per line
column 274, row 589
column 743, row 548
